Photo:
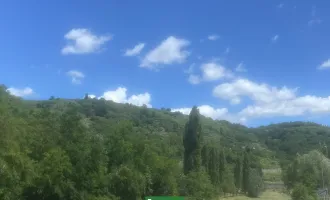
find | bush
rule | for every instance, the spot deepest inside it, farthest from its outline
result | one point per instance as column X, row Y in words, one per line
column 228, row 185
column 301, row 192
column 256, row 185
column 197, row 186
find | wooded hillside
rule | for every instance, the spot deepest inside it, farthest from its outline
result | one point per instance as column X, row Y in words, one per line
column 96, row 150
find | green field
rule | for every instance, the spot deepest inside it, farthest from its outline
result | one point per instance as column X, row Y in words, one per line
column 267, row 195
column 272, row 175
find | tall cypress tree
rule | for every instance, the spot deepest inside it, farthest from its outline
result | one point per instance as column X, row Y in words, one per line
column 238, row 173
column 213, row 166
column 192, row 142
column 222, row 165
column 205, row 156
column 246, row 170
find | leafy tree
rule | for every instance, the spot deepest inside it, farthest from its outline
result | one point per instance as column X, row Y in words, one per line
column 205, row 156
column 312, row 170
column 197, row 185
column 222, row 166
column 246, row 171
column 228, row 185
column 238, row 173
column 192, row 142
column 213, row 166
column 301, row 192
column 255, row 186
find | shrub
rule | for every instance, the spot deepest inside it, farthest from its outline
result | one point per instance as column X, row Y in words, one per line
column 196, row 186
column 256, row 185
column 301, row 192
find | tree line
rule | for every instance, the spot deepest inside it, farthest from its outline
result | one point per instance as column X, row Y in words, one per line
column 69, row 151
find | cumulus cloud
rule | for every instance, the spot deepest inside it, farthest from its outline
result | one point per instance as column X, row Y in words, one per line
column 213, row 71
column 205, row 110
column 214, row 113
column 240, row 68
column 83, row 41
column 260, row 93
column 213, row 37
column 269, row 101
column 92, row 96
column 325, row 64
column 275, row 38
column 76, row 76
column 136, row 50
column 20, row 92
column 120, row 96
column 170, row 51
column 210, row 71
column 304, row 105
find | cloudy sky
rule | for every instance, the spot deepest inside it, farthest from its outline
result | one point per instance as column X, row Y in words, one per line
column 252, row 62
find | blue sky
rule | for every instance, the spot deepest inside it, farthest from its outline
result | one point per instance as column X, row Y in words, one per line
column 251, row 62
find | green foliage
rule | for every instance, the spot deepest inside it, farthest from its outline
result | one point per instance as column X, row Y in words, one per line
column 256, row 185
column 301, row 192
column 213, row 166
column 192, row 142
column 245, row 172
column 288, row 139
column 228, row 184
column 99, row 150
column 127, row 183
column 238, row 173
column 312, row 170
column 196, row 186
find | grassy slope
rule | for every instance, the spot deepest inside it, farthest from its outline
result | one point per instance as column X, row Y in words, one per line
column 267, row 195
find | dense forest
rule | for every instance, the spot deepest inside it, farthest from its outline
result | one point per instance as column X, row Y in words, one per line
column 93, row 149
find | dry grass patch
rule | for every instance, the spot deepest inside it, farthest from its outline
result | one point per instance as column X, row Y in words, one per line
column 267, row 195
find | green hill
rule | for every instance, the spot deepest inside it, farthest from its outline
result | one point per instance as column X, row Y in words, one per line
column 95, row 149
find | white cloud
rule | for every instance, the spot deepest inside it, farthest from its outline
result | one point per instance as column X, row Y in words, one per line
column 170, row 51
column 227, row 50
column 120, row 96
column 140, row 99
column 214, row 113
column 325, row 64
column 76, row 76
column 92, row 96
column 20, row 92
column 213, row 71
column 194, row 79
column 260, row 93
column 136, row 50
column 210, row 71
column 275, row 38
column 213, row 37
column 304, row 105
column 240, row 68
column 83, row 41
column 205, row 110
column 269, row 101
